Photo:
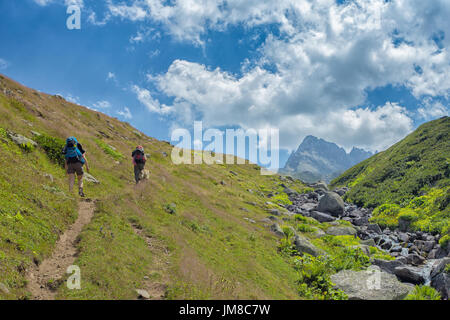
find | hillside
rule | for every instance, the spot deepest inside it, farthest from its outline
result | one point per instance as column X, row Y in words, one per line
column 202, row 248
column 320, row 160
column 410, row 180
column 189, row 232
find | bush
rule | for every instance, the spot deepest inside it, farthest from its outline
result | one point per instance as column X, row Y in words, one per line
column 109, row 149
column 445, row 241
column 53, row 148
column 424, row 293
column 314, row 282
column 408, row 215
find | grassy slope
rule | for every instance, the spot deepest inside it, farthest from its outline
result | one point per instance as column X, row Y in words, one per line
column 410, row 180
column 205, row 250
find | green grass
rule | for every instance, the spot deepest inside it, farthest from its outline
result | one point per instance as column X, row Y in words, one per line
column 424, row 293
column 409, row 181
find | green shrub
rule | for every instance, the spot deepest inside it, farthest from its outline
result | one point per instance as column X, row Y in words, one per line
column 282, row 198
column 408, row 215
column 445, row 241
column 305, row 228
column 314, row 282
column 109, row 150
column 53, row 148
column 424, row 293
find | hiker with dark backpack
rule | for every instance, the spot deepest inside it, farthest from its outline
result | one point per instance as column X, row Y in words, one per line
column 75, row 159
column 139, row 160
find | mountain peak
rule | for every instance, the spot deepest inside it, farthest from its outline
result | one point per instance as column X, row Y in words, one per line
column 318, row 159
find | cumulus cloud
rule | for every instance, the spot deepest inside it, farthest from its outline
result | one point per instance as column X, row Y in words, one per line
column 312, row 75
column 432, row 109
column 125, row 113
column 153, row 105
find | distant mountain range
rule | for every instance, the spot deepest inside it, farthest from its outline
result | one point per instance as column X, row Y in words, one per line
column 317, row 159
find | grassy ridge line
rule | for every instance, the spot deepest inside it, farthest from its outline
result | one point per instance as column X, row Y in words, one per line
column 409, row 181
column 214, row 252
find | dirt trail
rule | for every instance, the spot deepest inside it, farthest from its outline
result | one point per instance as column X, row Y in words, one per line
column 156, row 289
column 52, row 270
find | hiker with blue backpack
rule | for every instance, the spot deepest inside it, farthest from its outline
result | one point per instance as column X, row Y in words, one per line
column 75, row 159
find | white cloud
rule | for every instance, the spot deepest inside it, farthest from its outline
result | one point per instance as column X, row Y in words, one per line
column 111, row 76
column 3, row 64
column 125, row 113
column 102, row 104
column 153, row 105
column 432, row 110
column 42, row 2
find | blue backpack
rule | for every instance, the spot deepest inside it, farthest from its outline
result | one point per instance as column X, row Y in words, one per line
column 71, row 150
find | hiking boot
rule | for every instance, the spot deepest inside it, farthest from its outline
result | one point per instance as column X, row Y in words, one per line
column 81, row 193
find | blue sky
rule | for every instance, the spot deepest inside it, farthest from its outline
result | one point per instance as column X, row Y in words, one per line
column 358, row 73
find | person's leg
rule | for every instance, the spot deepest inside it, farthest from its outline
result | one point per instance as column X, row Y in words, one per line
column 71, row 181
column 136, row 173
column 80, row 182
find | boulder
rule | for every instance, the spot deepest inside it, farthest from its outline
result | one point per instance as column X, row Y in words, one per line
column 371, row 284
column 331, row 202
column 308, row 206
column 375, row 228
column 415, row 259
column 439, row 266
column 143, row 294
column 361, row 221
column 275, row 212
column 304, row 246
column 275, row 228
column 368, row 242
column 442, row 284
column 341, row 231
column 320, row 186
column 410, row 274
column 322, row 217
column 21, row 140
column 89, row 178
column 388, row 265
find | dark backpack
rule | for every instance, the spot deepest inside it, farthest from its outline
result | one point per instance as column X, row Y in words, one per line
column 139, row 156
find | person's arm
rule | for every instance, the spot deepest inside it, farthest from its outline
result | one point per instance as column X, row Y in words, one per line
column 86, row 162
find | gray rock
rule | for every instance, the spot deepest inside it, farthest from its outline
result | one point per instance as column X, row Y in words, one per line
column 361, row 221
column 304, row 246
column 375, row 228
column 275, row 228
column 20, row 140
column 415, row 259
column 322, row 217
column 439, row 266
column 410, row 274
column 364, row 285
column 308, row 206
column 426, row 246
column 368, row 242
column 275, row 212
column 289, row 191
column 442, row 284
column 341, row 231
column 143, row 294
column 388, row 266
column 89, row 178
column 331, row 202
column 320, row 185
